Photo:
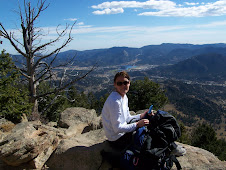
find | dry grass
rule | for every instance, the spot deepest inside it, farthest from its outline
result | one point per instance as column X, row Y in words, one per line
column 7, row 127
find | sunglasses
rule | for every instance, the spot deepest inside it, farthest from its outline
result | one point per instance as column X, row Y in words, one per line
column 121, row 83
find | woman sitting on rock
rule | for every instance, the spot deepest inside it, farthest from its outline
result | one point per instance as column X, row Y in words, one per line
column 116, row 117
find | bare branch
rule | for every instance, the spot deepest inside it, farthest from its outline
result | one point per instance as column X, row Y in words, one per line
column 16, row 40
column 53, row 52
column 67, row 85
column 9, row 37
column 63, row 77
column 25, row 75
column 41, row 8
column 43, row 72
column 60, row 35
column 75, row 80
column 20, row 12
column 67, row 63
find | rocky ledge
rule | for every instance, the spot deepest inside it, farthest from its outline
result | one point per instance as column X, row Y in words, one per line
column 74, row 143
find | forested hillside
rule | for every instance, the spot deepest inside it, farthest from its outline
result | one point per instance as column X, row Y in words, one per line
column 197, row 101
column 204, row 67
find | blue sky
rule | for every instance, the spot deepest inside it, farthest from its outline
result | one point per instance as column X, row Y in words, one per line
column 105, row 24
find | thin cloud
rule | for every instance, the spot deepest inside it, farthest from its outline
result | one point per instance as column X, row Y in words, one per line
column 89, row 29
column 164, row 8
column 80, row 23
column 84, row 29
column 71, row 19
column 212, row 24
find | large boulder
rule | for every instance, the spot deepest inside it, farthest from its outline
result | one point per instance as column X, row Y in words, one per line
column 79, row 120
column 79, row 152
column 29, row 142
column 83, row 152
column 197, row 158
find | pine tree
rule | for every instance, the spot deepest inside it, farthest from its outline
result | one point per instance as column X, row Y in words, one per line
column 204, row 136
column 51, row 105
column 145, row 92
column 14, row 101
column 77, row 99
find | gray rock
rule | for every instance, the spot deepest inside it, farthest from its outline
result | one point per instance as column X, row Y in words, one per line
column 79, row 152
column 197, row 158
column 32, row 145
column 80, row 120
column 29, row 142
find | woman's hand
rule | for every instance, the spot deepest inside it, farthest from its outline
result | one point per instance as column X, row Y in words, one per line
column 143, row 114
column 142, row 122
column 152, row 113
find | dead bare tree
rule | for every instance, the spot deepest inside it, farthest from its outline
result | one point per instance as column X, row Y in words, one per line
column 35, row 53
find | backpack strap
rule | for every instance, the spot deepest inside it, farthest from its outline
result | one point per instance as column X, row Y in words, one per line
column 177, row 163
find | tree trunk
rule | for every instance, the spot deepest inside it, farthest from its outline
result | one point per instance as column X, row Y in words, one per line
column 32, row 89
column 34, row 114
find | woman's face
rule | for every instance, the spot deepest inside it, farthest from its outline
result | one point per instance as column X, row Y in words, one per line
column 122, row 85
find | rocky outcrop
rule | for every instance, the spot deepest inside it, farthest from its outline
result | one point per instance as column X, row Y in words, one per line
column 83, row 152
column 79, row 120
column 32, row 145
column 197, row 159
column 29, row 142
column 80, row 152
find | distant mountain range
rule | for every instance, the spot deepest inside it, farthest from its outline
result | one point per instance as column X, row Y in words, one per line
column 203, row 62
column 163, row 54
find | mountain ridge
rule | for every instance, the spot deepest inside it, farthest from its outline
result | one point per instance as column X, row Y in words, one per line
column 152, row 54
column 163, row 54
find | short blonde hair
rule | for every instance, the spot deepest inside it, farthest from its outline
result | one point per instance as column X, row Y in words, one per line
column 123, row 74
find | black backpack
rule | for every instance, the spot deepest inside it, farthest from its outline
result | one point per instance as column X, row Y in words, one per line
column 151, row 146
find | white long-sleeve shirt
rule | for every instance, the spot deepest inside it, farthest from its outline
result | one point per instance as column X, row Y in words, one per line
column 116, row 115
